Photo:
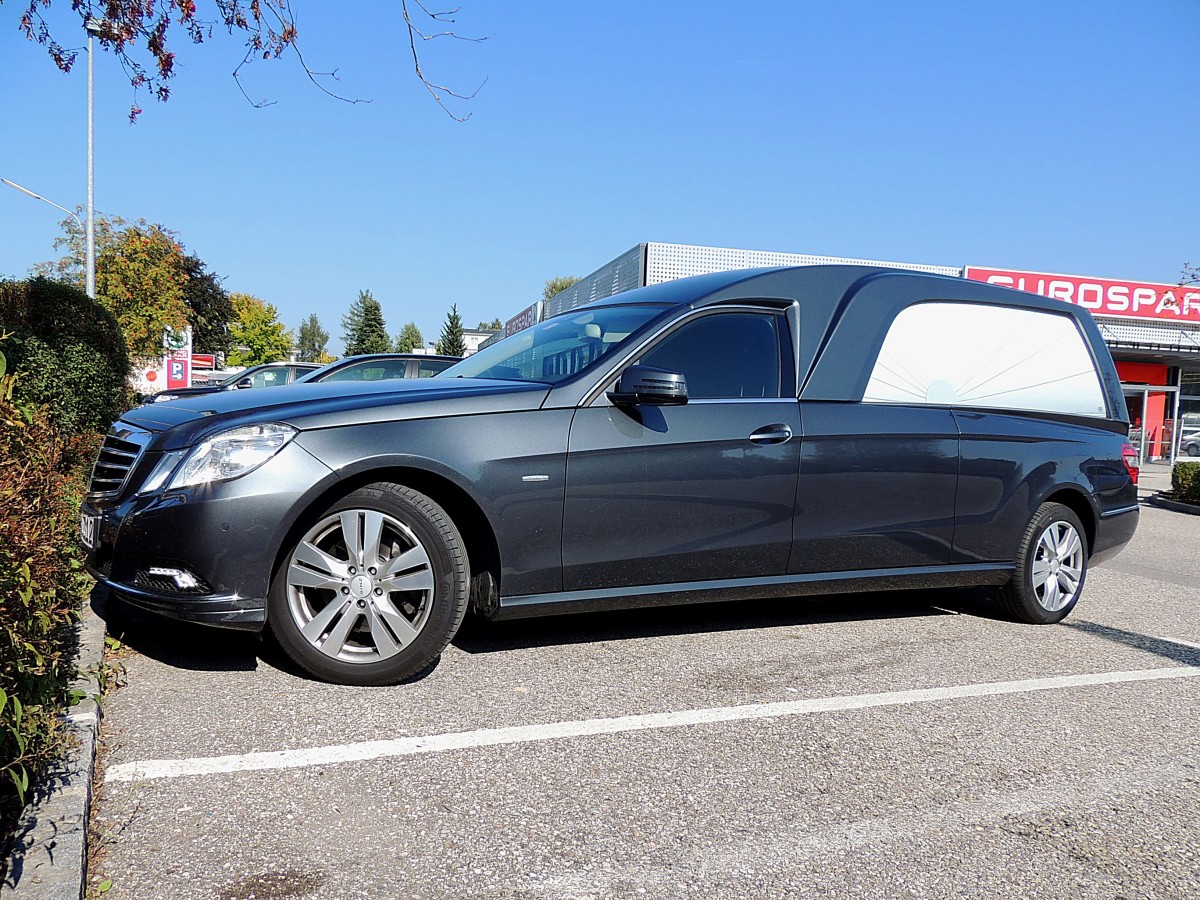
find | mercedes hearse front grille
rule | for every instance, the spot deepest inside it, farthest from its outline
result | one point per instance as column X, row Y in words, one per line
column 118, row 455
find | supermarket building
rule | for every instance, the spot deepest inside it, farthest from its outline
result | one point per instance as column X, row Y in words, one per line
column 1152, row 330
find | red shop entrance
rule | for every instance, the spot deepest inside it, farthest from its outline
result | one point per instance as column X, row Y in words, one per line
column 1153, row 410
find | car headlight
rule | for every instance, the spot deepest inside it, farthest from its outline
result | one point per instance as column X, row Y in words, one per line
column 163, row 398
column 231, row 454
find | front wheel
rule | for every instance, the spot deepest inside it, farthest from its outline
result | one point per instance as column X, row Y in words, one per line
column 374, row 590
column 1051, row 568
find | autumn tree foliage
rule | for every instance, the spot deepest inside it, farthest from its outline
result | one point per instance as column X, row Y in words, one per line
column 142, row 34
column 258, row 335
column 141, row 277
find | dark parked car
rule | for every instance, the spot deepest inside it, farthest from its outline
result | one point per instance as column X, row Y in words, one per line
column 771, row 432
column 380, row 367
column 276, row 374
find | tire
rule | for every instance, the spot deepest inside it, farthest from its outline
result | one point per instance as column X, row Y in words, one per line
column 373, row 591
column 1193, row 449
column 1051, row 568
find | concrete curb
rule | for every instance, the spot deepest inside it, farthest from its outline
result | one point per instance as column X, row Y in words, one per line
column 1190, row 508
column 49, row 854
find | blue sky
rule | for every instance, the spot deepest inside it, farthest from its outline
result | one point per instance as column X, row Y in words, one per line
column 1057, row 136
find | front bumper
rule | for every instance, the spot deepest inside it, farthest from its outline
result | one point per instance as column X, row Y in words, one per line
column 225, row 536
column 242, row 613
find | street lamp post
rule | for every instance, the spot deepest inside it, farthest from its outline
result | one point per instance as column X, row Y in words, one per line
column 27, row 192
column 92, row 26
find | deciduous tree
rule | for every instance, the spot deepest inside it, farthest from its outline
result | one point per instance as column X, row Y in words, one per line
column 494, row 325
column 558, row 285
column 209, row 308
column 146, row 279
column 409, row 338
column 451, row 342
column 258, row 334
column 363, row 328
column 141, row 274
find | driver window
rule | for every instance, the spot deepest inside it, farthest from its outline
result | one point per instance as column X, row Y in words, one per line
column 725, row 355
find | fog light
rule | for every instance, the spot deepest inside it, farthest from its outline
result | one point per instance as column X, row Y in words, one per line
column 184, row 580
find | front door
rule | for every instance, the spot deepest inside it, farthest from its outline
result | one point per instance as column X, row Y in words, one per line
column 675, row 494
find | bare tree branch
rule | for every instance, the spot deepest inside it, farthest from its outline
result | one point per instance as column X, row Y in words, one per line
column 439, row 92
column 127, row 27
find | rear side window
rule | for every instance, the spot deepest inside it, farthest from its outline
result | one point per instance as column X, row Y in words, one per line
column 974, row 355
column 726, row 355
column 269, row 378
column 427, row 368
column 371, row 370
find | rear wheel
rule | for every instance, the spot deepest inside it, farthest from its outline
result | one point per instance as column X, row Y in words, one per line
column 1051, row 568
column 373, row 590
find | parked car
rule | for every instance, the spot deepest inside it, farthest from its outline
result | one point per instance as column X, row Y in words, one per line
column 1189, row 442
column 380, row 367
column 274, row 374
column 771, row 432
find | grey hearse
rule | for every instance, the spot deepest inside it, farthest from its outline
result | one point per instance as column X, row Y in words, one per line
column 769, row 432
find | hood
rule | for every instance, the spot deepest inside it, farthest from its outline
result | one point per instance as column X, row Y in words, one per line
column 188, row 420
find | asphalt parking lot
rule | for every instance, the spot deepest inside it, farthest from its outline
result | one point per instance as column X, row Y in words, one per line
column 881, row 745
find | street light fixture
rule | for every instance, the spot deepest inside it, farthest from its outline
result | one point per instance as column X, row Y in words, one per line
column 27, row 192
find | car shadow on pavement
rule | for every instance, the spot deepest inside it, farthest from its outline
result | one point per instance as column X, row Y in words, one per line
column 1164, row 647
column 478, row 636
column 180, row 644
column 200, row 648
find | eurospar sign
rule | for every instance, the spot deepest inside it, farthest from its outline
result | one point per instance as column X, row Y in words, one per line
column 1122, row 299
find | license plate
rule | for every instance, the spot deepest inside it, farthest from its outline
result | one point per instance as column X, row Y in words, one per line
column 89, row 530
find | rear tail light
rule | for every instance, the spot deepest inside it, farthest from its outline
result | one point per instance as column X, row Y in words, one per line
column 1130, row 458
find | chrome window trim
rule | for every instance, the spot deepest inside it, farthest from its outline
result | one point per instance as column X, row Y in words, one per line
column 597, row 390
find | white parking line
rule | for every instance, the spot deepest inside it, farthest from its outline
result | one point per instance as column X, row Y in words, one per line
column 522, row 734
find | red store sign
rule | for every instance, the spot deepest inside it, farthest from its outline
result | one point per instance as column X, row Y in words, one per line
column 526, row 318
column 1124, row 299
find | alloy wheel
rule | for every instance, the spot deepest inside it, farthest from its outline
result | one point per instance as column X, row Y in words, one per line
column 360, row 586
column 1057, row 568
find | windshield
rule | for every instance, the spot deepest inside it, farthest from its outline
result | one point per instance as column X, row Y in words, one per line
column 557, row 349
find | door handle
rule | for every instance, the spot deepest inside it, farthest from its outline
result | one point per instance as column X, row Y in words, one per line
column 771, row 434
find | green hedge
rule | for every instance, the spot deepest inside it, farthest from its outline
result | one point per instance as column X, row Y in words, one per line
column 69, row 351
column 41, row 589
column 1185, row 481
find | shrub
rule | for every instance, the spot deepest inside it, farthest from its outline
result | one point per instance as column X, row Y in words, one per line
column 1185, row 481
column 69, row 351
column 41, row 585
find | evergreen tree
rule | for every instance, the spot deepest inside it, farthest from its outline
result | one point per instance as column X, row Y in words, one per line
column 451, row 342
column 494, row 325
column 311, row 340
column 409, row 338
column 363, row 328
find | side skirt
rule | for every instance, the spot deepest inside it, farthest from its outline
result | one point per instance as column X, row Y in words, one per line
column 913, row 578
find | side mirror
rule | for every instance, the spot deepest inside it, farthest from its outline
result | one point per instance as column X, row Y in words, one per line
column 650, row 386
column 244, row 383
